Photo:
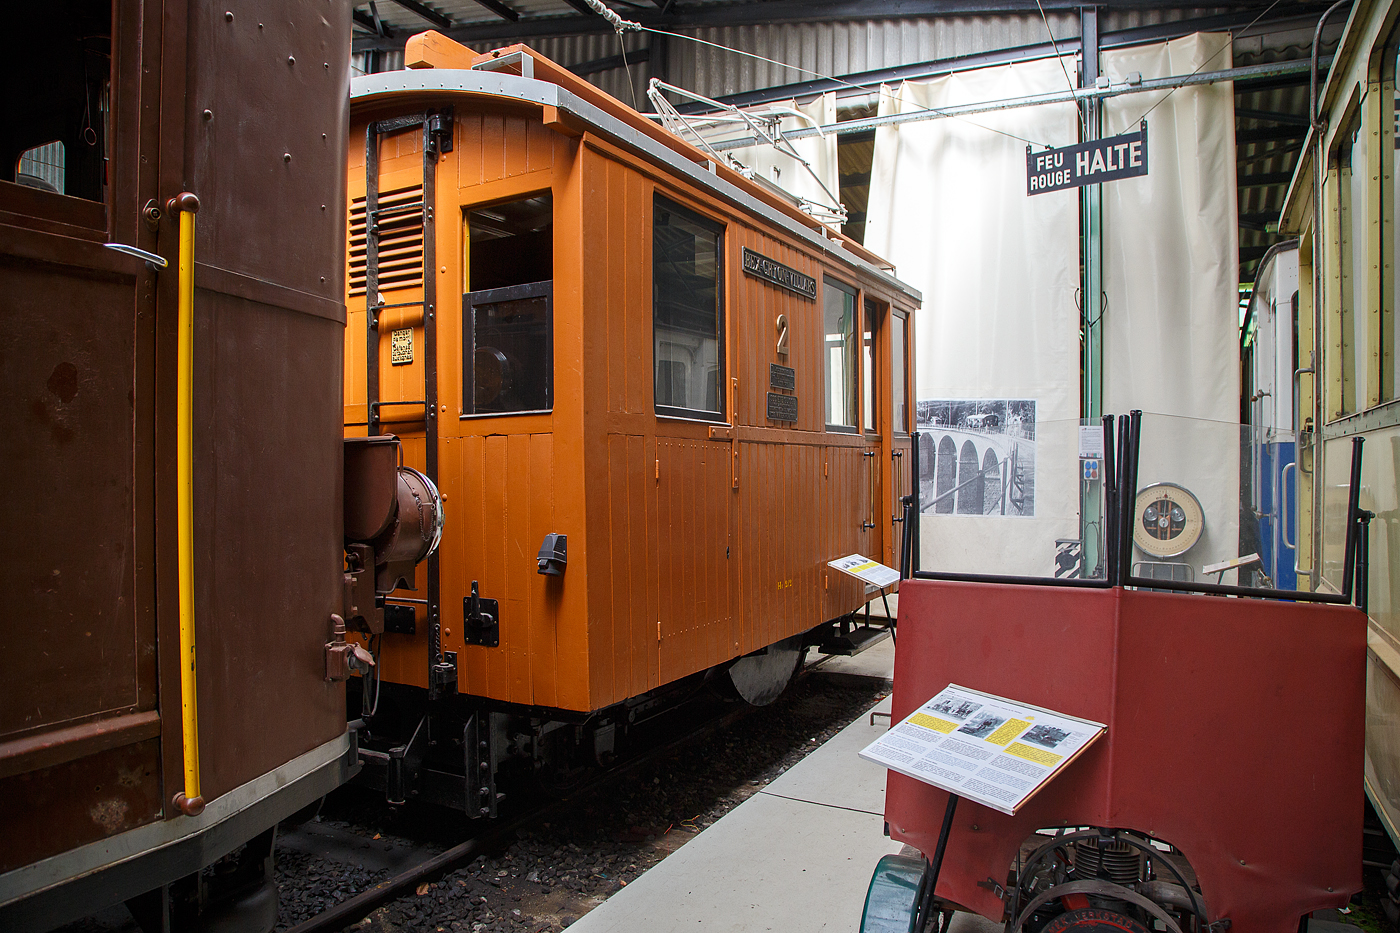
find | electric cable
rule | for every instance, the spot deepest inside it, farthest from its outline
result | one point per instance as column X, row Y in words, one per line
column 1205, row 63
column 619, row 25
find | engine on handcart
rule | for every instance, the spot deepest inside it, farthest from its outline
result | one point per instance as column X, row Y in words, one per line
column 1104, row 880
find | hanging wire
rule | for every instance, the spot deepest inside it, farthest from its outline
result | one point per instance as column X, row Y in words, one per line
column 619, row 25
column 631, row 86
column 1079, row 111
column 1203, row 64
column 835, row 80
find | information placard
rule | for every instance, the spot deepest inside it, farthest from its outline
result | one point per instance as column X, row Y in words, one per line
column 986, row 748
column 863, row 568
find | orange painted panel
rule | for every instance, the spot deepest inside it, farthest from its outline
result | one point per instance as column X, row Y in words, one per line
column 672, row 568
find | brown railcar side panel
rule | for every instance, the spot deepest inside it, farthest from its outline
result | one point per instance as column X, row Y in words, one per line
column 66, row 371
column 691, row 568
column 56, row 809
column 756, row 335
column 624, row 612
column 268, row 140
column 546, row 602
column 843, row 509
column 267, row 534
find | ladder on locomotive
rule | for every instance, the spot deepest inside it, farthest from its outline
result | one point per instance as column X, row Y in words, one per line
column 436, row 127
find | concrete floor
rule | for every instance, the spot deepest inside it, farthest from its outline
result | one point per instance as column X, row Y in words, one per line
column 798, row 855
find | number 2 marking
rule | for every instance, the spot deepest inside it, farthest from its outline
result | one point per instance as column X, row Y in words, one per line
column 782, row 335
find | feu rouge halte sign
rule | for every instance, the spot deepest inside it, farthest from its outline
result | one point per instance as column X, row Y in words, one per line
column 1087, row 163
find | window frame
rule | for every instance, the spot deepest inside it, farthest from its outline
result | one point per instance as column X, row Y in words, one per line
column 902, row 354
column 72, row 216
column 470, row 302
column 719, row 228
column 856, row 338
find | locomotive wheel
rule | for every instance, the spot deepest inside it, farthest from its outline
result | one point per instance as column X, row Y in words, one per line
column 893, row 898
column 761, row 677
column 1093, row 920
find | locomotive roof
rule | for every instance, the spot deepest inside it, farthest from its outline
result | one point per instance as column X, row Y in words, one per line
column 636, row 133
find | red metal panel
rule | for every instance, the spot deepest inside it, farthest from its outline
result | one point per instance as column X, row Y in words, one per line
column 1235, row 734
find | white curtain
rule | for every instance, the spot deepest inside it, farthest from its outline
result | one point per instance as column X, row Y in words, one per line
column 1171, row 342
column 998, row 270
column 819, row 151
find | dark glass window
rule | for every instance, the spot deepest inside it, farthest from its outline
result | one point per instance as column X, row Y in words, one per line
column 687, row 309
column 508, row 329
column 54, row 112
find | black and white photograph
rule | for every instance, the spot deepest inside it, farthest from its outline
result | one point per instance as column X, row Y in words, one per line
column 957, row 709
column 1045, row 736
column 977, row 456
column 981, row 725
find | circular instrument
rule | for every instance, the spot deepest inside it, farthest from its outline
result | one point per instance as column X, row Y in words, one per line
column 1167, row 520
column 493, row 375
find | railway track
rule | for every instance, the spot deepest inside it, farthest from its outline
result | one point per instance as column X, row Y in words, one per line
column 543, row 867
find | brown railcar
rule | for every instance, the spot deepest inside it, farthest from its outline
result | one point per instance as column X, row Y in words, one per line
column 110, row 111
column 585, row 327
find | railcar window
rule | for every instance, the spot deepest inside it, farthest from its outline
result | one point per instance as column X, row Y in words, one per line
column 53, row 135
column 687, row 312
column 839, row 317
column 874, row 323
column 508, row 326
column 1354, row 216
column 898, row 390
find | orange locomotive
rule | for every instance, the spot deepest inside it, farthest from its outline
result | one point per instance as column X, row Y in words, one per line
column 656, row 397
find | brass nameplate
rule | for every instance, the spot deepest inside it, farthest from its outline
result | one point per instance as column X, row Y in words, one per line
column 761, row 267
column 401, row 346
column 782, row 407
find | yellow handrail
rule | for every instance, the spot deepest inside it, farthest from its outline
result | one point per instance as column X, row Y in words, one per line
column 188, row 801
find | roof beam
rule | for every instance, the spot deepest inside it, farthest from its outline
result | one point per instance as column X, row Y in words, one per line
column 423, row 12
column 1270, row 116
column 584, row 69
column 673, row 15
column 500, row 9
column 375, row 25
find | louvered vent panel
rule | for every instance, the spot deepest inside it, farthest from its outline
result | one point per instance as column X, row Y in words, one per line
column 400, row 240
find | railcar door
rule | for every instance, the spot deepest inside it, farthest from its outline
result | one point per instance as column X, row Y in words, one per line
column 76, row 370
column 902, row 469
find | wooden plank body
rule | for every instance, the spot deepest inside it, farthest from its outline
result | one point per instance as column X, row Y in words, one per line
column 690, row 542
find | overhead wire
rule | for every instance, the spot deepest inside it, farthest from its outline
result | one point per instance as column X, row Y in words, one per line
column 619, row 25
column 1203, row 64
column 1079, row 111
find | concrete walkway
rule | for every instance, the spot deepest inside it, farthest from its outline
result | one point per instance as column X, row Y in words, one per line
column 798, row 855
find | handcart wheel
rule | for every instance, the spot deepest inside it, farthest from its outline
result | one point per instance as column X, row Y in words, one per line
column 893, row 898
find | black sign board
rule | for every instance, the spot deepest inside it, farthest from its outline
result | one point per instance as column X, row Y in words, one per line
column 781, row 377
column 782, row 407
column 1087, row 163
column 761, row 267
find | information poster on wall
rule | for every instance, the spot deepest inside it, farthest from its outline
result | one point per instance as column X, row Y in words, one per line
column 989, row 749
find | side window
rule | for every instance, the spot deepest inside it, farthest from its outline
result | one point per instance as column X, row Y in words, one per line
column 54, row 117
column 839, row 318
column 687, row 311
column 899, row 352
column 508, row 316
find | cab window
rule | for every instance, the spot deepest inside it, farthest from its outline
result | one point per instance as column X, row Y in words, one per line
column 509, row 312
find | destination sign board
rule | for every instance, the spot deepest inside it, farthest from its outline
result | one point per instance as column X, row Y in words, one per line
column 1087, row 163
column 782, row 407
column 770, row 270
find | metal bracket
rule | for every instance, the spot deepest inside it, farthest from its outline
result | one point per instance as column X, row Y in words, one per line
column 404, row 765
column 480, row 771
column 443, row 676
column 481, row 620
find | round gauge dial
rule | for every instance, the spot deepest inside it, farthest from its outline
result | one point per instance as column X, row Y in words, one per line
column 1167, row 520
